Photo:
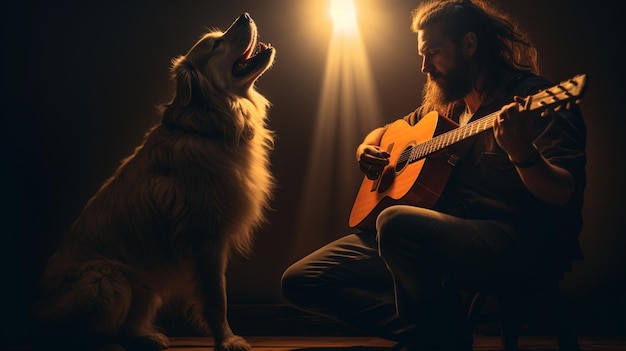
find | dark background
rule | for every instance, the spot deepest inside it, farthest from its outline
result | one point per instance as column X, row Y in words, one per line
column 82, row 80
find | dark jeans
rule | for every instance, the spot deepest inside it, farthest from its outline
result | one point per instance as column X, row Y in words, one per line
column 398, row 285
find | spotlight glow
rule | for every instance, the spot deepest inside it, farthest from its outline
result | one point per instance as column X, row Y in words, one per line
column 343, row 15
column 348, row 109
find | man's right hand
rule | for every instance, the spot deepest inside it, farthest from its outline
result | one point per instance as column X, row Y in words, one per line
column 372, row 160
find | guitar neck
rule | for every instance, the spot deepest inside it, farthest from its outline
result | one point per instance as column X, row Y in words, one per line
column 562, row 94
column 451, row 137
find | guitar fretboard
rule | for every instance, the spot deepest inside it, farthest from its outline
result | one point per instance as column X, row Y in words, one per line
column 560, row 94
column 450, row 137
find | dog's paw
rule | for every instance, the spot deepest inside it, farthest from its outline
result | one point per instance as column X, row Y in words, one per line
column 235, row 343
column 159, row 340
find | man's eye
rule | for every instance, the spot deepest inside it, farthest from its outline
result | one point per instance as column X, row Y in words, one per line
column 216, row 43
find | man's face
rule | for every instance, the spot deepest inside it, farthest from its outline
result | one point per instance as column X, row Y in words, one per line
column 447, row 69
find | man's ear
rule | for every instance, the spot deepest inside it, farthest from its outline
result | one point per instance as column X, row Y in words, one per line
column 470, row 44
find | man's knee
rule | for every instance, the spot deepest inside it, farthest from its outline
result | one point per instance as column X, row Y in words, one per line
column 390, row 224
column 401, row 228
column 291, row 283
column 300, row 286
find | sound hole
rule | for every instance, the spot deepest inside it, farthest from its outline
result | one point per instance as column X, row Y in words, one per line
column 403, row 158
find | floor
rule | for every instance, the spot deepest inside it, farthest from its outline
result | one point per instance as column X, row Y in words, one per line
column 335, row 343
column 365, row 343
column 283, row 328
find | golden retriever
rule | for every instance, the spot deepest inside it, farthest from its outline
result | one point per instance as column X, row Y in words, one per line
column 164, row 226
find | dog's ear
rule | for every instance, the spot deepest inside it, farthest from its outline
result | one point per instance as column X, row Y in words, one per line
column 187, row 80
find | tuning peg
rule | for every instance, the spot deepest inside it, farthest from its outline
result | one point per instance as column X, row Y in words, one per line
column 558, row 108
column 545, row 113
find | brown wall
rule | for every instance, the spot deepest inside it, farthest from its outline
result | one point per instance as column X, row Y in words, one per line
column 82, row 80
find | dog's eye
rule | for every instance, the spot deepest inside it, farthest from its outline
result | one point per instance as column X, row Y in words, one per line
column 216, row 44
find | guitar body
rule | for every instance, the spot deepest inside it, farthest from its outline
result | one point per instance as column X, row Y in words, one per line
column 418, row 183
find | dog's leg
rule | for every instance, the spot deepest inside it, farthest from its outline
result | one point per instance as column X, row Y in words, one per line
column 213, row 309
column 139, row 327
column 84, row 303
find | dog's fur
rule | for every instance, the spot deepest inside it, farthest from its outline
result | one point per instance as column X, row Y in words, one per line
column 165, row 224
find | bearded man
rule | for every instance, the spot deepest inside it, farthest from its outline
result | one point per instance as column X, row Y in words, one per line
column 511, row 200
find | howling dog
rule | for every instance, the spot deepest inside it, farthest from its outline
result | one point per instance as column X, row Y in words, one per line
column 164, row 226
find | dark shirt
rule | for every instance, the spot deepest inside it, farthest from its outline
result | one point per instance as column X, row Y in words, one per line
column 484, row 184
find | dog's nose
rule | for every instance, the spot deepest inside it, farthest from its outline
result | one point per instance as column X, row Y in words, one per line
column 245, row 17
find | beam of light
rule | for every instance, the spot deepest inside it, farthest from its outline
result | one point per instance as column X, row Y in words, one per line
column 343, row 15
column 348, row 109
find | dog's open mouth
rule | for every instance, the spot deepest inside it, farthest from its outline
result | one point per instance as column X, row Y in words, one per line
column 256, row 56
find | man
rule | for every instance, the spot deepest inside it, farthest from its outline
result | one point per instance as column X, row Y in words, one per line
column 512, row 202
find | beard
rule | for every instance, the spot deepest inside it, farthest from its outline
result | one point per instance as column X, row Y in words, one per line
column 442, row 89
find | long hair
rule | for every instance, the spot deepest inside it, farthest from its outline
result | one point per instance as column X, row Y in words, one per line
column 502, row 45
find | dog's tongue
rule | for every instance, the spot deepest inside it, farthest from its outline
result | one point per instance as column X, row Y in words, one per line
column 245, row 63
column 252, row 52
column 260, row 48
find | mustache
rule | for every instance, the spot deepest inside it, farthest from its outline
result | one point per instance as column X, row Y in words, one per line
column 435, row 75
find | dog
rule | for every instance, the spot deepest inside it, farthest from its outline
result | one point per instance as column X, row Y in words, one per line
column 163, row 227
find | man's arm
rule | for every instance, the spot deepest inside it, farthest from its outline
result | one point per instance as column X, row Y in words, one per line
column 513, row 132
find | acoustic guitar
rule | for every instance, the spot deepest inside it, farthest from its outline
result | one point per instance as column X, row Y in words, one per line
column 422, row 156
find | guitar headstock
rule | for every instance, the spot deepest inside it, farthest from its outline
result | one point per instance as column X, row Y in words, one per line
column 559, row 96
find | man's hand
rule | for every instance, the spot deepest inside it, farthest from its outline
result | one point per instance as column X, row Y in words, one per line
column 512, row 130
column 372, row 160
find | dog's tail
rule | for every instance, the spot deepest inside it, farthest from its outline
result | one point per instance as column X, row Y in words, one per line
column 82, row 301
